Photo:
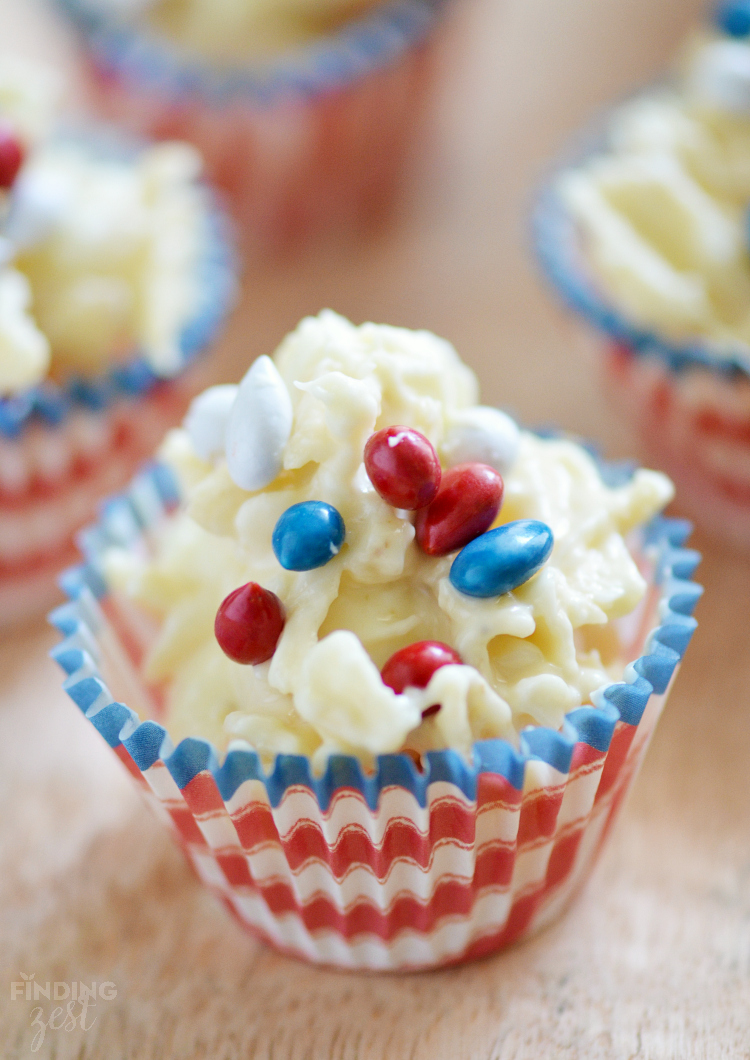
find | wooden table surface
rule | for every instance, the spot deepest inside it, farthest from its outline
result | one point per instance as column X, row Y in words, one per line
column 654, row 959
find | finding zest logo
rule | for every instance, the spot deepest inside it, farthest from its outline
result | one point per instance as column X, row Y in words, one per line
column 79, row 997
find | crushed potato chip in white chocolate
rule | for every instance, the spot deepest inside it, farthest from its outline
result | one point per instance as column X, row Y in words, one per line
column 528, row 656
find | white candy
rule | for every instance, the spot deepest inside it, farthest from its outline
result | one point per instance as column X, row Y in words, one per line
column 259, row 426
column 481, row 435
column 37, row 203
column 207, row 418
column 720, row 76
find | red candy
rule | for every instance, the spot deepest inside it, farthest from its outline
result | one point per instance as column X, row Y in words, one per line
column 467, row 503
column 249, row 623
column 413, row 666
column 403, row 467
column 11, row 156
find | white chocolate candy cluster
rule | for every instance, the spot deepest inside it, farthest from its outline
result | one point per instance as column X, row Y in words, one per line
column 664, row 210
column 98, row 256
column 29, row 97
column 230, row 31
column 296, row 432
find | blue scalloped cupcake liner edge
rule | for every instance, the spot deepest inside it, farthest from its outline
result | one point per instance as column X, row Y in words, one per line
column 361, row 47
column 217, row 270
column 154, row 492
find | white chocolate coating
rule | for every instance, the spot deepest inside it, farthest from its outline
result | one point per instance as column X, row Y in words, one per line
column 663, row 211
column 232, row 31
column 29, row 97
column 529, row 656
column 109, row 250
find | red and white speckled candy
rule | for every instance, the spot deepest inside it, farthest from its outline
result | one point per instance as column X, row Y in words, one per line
column 467, row 504
column 403, row 467
column 11, row 156
column 249, row 623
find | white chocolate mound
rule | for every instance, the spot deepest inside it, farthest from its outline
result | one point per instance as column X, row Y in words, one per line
column 232, row 32
column 663, row 210
column 108, row 249
column 530, row 656
column 29, row 97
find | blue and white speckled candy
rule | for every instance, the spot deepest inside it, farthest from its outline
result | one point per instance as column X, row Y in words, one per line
column 259, row 426
column 308, row 535
column 502, row 559
column 733, row 17
column 207, row 418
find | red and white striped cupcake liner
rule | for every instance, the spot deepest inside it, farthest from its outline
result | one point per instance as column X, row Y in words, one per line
column 52, row 478
column 404, row 867
column 694, row 424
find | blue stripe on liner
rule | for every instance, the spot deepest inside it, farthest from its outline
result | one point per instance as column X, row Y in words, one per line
column 658, row 666
column 111, row 720
column 67, row 658
column 594, row 725
column 153, row 65
column 85, row 691
column 555, row 748
column 683, row 595
column 148, row 742
column 676, row 631
column 560, row 253
column 501, row 758
column 65, row 619
column 191, row 757
column 629, row 698
column 76, row 580
column 682, row 562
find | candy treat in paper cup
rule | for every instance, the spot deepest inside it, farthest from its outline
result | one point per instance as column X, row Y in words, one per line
column 645, row 234
column 115, row 271
column 305, row 112
column 386, row 663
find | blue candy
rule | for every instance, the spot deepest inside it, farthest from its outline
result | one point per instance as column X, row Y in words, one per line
column 308, row 535
column 733, row 17
column 502, row 559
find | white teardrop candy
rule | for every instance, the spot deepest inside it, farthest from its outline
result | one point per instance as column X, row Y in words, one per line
column 259, row 426
column 720, row 76
column 37, row 203
column 481, row 435
column 207, row 418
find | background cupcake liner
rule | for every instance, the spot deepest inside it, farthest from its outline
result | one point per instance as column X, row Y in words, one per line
column 316, row 139
column 689, row 403
column 400, row 868
column 64, row 446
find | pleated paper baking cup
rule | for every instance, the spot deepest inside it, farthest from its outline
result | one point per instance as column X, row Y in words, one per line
column 315, row 139
column 65, row 446
column 688, row 403
column 399, row 868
